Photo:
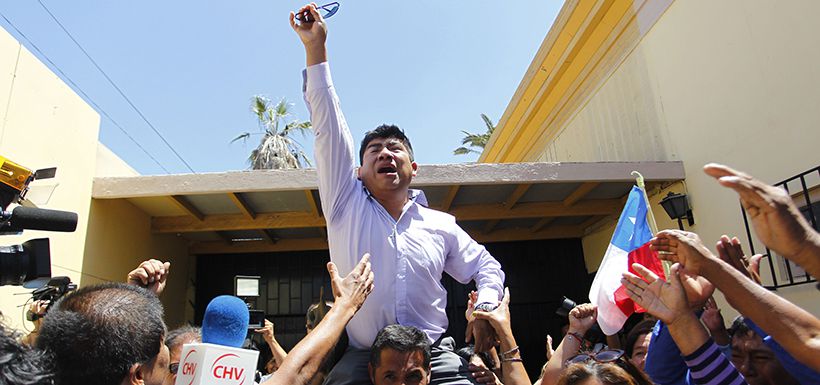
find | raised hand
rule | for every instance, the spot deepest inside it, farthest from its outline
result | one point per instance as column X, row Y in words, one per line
column 150, row 274
column 711, row 316
column 664, row 300
column 312, row 33
column 582, row 318
column 550, row 350
column 483, row 375
column 354, row 288
column 682, row 247
column 730, row 251
column 266, row 331
column 775, row 218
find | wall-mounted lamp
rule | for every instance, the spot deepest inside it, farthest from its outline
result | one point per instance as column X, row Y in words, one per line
column 677, row 207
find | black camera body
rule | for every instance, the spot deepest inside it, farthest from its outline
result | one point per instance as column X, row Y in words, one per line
column 51, row 292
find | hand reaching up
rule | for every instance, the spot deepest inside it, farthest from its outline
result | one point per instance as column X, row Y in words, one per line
column 730, row 251
column 582, row 318
column 151, row 275
column 664, row 300
column 354, row 288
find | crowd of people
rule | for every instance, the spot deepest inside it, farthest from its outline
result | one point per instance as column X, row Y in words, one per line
column 388, row 252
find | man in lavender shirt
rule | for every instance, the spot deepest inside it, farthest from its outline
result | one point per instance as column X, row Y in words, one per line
column 371, row 209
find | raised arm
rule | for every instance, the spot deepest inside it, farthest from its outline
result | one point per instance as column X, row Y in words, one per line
column 333, row 146
column 797, row 330
column 667, row 301
column 305, row 359
column 512, row 366
column 581, row 319
column 775, row 218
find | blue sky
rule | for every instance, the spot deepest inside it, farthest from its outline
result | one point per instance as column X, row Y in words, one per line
column 191, row 67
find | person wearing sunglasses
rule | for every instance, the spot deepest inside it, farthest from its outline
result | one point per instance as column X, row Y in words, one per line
column 607, row 367
column 175, row 339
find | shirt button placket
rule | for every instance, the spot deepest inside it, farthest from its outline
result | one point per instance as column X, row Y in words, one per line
column 401, row 279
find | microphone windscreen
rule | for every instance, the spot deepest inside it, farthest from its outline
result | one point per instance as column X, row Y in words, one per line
column 225, row 322
column 32, row 218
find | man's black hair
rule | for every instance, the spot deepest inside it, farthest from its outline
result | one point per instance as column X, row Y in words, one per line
column 385, row 131
column 402, row 339
column 468, row 352
column 182, row 334
column 96, row 334
column 642, row 328
column 20, row 364
column 739, row 328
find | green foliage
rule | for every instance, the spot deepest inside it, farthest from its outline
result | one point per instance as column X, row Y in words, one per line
column 277, row 149
column 475, row 143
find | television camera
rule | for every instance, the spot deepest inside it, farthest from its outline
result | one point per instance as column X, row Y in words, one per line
column 29, row 264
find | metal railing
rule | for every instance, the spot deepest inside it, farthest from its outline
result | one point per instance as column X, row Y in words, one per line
column 811, row 210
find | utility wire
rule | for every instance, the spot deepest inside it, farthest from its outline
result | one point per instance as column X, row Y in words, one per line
column 110, row 81
column 80, row 90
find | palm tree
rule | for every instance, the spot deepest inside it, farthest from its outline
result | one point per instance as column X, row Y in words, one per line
column 277, row 149
column 475, row 141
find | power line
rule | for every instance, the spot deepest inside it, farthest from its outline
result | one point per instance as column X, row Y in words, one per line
column 84, row 95
column 116, row 87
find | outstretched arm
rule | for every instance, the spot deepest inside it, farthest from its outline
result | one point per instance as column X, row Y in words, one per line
column 775, row 217
column 581, row 319
column 512, row 366
column 794, row 328
column 305, row 359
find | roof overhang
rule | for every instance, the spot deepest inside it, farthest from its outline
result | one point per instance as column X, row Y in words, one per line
column 280, row 210
column 585, row 45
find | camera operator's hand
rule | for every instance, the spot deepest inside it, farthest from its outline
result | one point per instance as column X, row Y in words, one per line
column 353, row 289
column 150, row 274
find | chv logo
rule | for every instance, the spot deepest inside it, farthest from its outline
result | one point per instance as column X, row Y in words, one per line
column 227, row 367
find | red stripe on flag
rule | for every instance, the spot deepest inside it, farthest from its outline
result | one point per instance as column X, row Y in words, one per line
column 648, row 259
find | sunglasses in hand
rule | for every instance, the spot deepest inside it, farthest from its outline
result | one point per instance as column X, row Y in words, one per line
column 326, row 11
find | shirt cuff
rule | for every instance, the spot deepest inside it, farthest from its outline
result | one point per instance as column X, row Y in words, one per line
column 316, row 77
column 489, row 296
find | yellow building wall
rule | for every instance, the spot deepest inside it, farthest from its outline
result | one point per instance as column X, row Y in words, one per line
column 734, row 82
column 43, row 123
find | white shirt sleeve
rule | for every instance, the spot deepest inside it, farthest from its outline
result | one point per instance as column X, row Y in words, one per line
column 333, row 146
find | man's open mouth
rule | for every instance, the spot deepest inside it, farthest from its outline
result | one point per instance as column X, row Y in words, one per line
column 386, row 170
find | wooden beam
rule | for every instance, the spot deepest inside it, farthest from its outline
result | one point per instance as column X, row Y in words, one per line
column 260, row 246
column 281, row 220
column 515, row 234
column 580, row 192
column 314, row 208
column 490, row 226
column 540, row 224
column 242, row 204
column 591, row 221
column 283, row 245
column 516, row 195
column 536, row 210
column 269, row 235
column 430, row 175
column 448, row 200
column 299, row 219
column 225, row 237
column 187, row 206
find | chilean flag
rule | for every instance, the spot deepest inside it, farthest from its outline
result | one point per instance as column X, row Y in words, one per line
column 630, row 244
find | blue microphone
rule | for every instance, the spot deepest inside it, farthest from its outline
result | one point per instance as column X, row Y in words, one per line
column 225, row 322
